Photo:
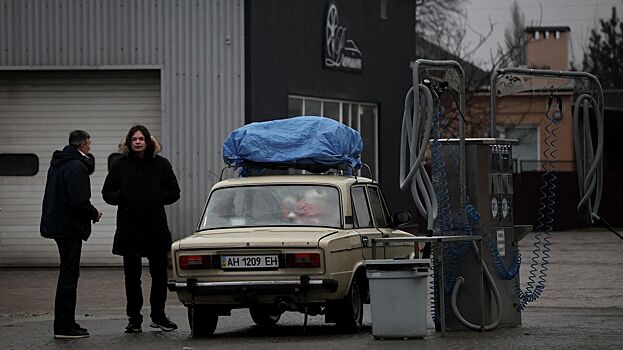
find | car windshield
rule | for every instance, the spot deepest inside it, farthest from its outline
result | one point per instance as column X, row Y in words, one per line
column 274, row 205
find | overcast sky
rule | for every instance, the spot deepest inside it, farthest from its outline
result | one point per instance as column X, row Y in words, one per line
column 580, row 15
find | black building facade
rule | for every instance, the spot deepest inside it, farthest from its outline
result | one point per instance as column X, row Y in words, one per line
column 344, row 59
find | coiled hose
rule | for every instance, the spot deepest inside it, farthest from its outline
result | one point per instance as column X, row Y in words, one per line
column 589, row 162
column 453, row 251
column 415, row 135
column 473, row 217
column 444, row 224
column 540, row 253
column 503, row 272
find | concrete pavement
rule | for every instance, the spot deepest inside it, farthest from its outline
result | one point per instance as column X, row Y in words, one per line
column 582, row 307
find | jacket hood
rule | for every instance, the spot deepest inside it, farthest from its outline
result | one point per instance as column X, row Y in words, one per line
column 123, row 149
column 69, row 153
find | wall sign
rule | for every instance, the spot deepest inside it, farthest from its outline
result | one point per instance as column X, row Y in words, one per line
column 339, row 52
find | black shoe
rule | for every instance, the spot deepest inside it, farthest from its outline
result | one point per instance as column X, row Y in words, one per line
column 164, row 323
column 70, row 333
column 133, row 327
column 77, row 326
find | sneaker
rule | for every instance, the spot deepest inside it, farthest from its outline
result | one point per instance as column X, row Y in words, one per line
column 77, row 326
column 164, row 324
column 133, row 327
column 70, row 333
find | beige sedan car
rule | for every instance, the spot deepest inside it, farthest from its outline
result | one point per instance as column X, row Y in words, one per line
column 284, row 243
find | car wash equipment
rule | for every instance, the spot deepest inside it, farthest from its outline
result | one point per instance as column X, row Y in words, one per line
column 589, row 163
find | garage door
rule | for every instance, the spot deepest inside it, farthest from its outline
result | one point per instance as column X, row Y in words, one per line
column 38, row 109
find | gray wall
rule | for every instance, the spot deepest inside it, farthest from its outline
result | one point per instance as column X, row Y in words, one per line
column 198, row 46
column 387, row 49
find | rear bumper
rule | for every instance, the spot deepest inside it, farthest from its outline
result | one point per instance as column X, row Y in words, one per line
column 195, row 287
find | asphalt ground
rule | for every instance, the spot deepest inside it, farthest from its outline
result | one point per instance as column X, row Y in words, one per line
column 581, row 308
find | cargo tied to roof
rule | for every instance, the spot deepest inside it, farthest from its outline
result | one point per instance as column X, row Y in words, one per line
column 310, row 143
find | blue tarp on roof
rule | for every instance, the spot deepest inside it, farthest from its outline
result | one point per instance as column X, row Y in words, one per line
column 310, row 143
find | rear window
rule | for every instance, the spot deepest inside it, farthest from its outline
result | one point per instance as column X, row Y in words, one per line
column 274, row 205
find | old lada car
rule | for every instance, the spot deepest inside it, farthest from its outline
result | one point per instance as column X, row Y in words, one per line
column 284, row 243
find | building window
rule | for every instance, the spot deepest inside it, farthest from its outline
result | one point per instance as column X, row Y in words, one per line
column 295, row 106
column 19, row 164
column 526, row 153
column 362, row 117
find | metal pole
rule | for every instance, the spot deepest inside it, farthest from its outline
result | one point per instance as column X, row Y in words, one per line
column 373, row 248
column 482, row 288
column 442, row 291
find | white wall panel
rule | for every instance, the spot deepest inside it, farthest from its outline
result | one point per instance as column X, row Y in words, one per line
column 37, row 111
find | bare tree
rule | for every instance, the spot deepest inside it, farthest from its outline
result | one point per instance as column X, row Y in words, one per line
column 444, row 23
column 515, row 39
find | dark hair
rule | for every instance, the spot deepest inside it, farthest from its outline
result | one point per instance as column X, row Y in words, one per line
column 78, row 137
column 151, row 147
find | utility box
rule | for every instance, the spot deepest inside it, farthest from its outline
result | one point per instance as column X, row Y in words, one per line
column 398, row 295
column 489, row 184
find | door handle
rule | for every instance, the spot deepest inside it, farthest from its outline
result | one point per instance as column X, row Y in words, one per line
column 365, row 241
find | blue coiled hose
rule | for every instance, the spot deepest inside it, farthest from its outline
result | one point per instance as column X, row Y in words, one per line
column 547, row 200
column 453, row 251
column 473, row 216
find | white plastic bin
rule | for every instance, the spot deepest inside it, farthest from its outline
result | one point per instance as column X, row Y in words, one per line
column 398, row 297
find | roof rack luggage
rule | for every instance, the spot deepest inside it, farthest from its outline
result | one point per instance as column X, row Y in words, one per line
column 311, row 143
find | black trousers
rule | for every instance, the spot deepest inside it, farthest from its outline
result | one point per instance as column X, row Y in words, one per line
column 69, row 250
column 132, row 268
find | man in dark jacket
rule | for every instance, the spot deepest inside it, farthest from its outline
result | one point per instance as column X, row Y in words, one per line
column 141, row 183
column 66, row 217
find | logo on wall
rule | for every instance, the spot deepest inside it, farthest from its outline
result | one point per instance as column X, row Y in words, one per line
column 339, row 53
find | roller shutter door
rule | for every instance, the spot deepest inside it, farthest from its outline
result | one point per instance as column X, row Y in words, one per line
column 38, row 109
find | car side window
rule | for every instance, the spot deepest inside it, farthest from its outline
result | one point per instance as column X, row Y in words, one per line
column 360, row 207
column 378, row 209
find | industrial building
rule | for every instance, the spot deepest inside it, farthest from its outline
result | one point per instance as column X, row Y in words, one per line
column 191, row 71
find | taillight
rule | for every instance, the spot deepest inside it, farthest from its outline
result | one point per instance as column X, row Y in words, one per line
column 302, row 260
column 191, row 262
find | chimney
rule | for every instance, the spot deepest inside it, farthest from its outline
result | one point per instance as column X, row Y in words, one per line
column 547, row 47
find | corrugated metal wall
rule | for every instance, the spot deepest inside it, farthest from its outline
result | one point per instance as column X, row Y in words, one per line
column 198, row 45
column 37, row 109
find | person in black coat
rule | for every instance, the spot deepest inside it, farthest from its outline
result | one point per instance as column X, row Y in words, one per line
column 141, row 183
column 66, row 217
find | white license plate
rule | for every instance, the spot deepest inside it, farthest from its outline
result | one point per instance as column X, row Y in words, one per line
column 249, row 261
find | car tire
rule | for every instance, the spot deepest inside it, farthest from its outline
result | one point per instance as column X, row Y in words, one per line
column 350, row 314
column 264, row 316
column 202, row 320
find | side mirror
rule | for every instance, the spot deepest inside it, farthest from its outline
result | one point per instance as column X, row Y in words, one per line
column 400, row 218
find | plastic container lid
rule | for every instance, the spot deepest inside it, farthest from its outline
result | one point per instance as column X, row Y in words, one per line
column 392, row 264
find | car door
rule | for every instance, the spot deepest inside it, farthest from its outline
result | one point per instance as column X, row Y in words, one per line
column 383, row 222
column 363, row 221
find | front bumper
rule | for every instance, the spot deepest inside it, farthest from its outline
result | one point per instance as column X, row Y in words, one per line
column 194, row 287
